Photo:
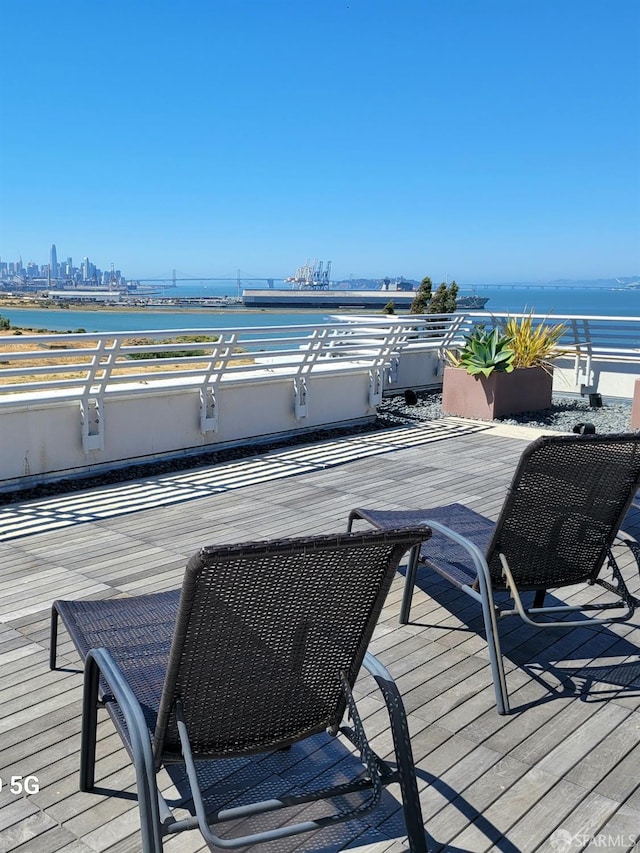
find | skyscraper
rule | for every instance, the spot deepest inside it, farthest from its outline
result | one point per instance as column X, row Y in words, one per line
column 53, row 261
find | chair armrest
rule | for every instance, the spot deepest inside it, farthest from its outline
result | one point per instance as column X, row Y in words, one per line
column 626, row 538
column 375, row 668
column 477, row 557
column 100, row 663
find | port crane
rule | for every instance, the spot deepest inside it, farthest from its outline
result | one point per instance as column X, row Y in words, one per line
column 312, row 276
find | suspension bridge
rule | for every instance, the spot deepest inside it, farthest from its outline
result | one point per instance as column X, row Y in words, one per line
column 177, row 276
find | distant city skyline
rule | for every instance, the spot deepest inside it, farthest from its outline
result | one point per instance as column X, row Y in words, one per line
column 88, row 271
column 53, row 271
column 488, row 141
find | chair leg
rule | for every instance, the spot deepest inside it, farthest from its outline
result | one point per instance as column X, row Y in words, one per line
column 404, row 756
column 409, row 582
column 495, row 655
column 89, row 726
column 53, row 638
column 352, row 517
column 538, row 598
column 407, row 775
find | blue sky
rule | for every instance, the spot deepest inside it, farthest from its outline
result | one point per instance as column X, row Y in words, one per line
column 483, row 140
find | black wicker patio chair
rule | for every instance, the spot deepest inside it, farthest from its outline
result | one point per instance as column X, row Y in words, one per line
column 259, row 650
column 558, row 523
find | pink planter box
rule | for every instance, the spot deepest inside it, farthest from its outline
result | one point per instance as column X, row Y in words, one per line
column 499, row 395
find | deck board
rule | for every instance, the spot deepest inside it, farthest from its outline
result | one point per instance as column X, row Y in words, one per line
column 564, row 762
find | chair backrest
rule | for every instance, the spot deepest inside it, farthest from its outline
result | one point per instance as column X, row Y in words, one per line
column 566, row 502
column 262, row 633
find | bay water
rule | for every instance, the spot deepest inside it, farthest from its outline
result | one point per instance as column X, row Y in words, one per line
column 548, row 300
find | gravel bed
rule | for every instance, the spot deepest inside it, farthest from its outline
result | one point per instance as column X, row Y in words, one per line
column 566, row 412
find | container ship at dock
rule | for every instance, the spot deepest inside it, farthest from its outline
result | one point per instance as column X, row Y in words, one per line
column 311, row 288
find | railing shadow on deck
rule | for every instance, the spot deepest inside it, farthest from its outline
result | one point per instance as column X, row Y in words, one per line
column 204, row 479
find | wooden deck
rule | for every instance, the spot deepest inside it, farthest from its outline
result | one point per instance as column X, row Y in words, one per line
column 560, row 773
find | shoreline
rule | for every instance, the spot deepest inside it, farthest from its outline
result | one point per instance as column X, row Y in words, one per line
column 103, row 308
column 43, row 317
column 128, row 308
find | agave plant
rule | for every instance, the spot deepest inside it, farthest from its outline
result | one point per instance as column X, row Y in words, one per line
column 485, row 352
column 534, row 345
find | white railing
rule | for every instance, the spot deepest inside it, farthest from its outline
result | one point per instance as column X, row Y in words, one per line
column 92, row 368
column 591, row 337
column 71, row 366
column 56, row 367
column 429, row 332
column 598, row 352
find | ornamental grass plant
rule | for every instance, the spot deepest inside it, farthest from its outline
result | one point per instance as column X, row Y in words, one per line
column 534, row 345
column 520, row 342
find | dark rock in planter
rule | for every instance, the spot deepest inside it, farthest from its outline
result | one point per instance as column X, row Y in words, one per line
column 498, row 395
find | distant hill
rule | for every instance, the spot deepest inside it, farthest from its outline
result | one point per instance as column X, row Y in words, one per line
column 377, row 283
column 622, row 281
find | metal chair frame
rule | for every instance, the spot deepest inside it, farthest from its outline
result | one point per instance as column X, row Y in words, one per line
column 478, row 579
column 107, row 684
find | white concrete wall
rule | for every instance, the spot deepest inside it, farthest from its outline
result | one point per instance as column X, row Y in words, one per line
column 43, row 441
column 415, row 369
column 609, row 378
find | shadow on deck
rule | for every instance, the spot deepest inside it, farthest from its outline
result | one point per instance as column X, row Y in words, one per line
column 557, row 772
